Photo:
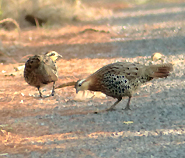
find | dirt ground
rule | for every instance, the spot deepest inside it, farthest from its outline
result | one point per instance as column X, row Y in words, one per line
column 64, row 125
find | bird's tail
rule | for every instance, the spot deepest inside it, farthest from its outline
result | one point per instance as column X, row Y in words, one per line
column 159, row 71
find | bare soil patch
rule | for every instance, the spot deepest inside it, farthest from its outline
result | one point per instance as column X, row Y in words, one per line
column 64, row 125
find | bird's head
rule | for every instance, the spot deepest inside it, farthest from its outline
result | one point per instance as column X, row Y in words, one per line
column 81, row 85
column 53, row 55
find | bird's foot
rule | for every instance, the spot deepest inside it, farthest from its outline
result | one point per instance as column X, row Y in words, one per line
column 53, row 93
column 46, row 96
column 127, row 108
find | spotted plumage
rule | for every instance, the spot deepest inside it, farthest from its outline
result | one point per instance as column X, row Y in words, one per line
column 122, row 79
column 41, row 70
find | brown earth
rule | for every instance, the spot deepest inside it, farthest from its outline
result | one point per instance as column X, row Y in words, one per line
column 24, row 126
column 74, row 45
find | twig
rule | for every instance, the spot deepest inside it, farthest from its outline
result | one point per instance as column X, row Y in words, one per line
column 14, row 22
column 37, row 23
column 26, row 56
column 94, row 30
column 66, row 84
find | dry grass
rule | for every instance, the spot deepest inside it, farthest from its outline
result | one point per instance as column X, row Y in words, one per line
column 55, row 12
column 58, row 12
column 12, row 21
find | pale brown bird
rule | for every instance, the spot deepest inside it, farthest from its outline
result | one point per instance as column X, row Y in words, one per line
column 122, row 79
column 41, row 70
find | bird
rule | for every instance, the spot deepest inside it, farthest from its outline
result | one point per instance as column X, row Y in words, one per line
column 122, row 79
column 41, row 70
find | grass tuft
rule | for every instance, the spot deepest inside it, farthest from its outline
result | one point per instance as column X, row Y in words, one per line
column 54, row 12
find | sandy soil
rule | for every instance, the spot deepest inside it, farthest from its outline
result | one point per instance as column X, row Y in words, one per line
column 64, row 125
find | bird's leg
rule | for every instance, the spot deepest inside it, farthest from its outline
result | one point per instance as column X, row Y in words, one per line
column 53, row 90
column 112, row 107
column 39, row 91
column 128, row 103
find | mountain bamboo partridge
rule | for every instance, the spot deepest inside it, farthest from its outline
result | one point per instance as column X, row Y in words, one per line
column 122, row 79
column 41, row 70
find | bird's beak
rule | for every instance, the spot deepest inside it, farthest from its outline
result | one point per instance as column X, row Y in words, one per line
column 77, row 91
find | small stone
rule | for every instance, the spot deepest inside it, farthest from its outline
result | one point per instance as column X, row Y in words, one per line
column 157, row 56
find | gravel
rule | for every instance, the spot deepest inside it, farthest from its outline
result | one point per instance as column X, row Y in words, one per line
column 155, row 127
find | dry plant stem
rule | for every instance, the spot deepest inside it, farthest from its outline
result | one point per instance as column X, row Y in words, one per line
column 66, row 84
column 37, row 23
column 14, row 22
column 94, row 30
column 18, row 27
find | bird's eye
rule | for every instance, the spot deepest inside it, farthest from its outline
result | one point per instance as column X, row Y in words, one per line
column 52, row 54
column 79, row 84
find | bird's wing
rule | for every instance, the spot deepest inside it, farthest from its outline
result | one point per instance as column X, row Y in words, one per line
column 47, row 71
column 50, row 63
column 132, row 70
column 129, row 70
